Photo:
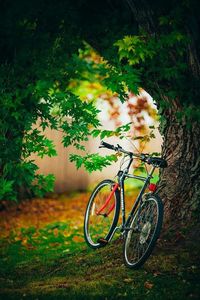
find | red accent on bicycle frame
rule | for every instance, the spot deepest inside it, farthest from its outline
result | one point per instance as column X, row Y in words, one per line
column 108, row 200
column 111, row 208
column 152, row 187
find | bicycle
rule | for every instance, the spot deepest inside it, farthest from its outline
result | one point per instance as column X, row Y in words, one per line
column 142, row 227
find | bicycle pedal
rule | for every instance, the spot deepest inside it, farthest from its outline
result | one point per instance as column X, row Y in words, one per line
column 102, row 241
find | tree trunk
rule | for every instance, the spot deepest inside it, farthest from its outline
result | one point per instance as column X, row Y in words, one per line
column 179, row 184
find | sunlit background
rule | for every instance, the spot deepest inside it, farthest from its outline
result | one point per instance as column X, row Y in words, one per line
column 138, row 110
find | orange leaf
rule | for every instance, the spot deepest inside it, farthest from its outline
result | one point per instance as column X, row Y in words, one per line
column 148, row 285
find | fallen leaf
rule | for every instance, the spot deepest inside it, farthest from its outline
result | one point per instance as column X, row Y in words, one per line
column 148, row 285
column 78, row 239
column 128, row 280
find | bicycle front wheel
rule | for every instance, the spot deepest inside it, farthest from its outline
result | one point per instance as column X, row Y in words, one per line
column 143, row 232
column 102, row 214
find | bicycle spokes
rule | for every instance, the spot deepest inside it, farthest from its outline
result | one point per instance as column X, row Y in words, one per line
column 139, row 243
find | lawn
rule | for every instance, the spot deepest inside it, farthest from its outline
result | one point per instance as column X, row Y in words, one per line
column 43, row 256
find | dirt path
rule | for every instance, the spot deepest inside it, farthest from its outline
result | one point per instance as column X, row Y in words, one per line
column 40, row 212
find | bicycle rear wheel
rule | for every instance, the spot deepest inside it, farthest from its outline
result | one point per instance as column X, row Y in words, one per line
column 102, row 214
column 143, row 233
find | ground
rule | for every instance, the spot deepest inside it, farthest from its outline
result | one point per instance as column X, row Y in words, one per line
column 43, row 256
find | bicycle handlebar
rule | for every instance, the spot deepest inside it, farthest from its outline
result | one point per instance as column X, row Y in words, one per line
column 156, row 161
column 118, row 148
column 106, row 145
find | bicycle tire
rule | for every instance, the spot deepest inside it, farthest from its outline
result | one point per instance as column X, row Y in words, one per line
column 143, row 232
column 91, row 236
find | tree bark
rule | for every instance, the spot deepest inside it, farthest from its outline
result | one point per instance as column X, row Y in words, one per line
column 179, row 182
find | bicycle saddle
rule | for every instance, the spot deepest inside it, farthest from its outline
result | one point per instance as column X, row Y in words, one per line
column 157, row 162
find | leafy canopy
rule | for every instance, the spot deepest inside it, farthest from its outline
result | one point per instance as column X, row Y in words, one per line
column 39, row 58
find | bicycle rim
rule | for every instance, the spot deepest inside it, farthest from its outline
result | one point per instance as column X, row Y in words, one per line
column 101, row 219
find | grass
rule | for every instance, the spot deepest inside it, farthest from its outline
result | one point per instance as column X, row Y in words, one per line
column 51, row 261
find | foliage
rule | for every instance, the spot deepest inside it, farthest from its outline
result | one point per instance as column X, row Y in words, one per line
column 93, row 162
column 6, row 189
column 21, row 135
column 34, row 96
column 40, row 57
column 95, row 84
column 161, row 59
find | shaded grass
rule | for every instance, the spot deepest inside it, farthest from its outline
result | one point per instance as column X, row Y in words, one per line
column 53, row 262
column 101, row 274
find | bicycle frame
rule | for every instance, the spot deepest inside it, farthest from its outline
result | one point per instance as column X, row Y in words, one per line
column 122, row 175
